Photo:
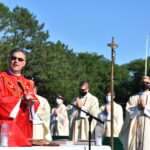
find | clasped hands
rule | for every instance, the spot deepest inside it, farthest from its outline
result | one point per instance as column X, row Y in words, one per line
column 79, row 102
column 142, row 104
column 107, row 109
column 28, row 99
column 56, row 111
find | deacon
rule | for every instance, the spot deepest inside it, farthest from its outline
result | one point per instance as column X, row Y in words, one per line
column 136, row 131
column 17, row 101
column 105, row 116
column 79, row 124
column 59, row 119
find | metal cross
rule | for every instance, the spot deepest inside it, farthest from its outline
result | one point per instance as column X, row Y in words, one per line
column 113, row 45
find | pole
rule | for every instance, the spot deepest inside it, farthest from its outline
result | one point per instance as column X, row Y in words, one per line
column 113, row 46
column 90, row 134
column 146, row 56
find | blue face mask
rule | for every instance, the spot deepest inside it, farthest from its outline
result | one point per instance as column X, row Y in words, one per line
column 108, row 99
column 58, row 101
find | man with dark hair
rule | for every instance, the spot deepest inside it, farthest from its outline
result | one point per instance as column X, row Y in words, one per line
column 17, row 50
column 135, row 131
column 79, row 125
column 17, row 101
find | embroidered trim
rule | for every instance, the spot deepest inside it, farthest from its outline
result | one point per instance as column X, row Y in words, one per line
column 14, row 88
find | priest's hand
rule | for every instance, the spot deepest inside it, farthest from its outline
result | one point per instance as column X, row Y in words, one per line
column 142, row 104
column 28, row 99
column 79, row 102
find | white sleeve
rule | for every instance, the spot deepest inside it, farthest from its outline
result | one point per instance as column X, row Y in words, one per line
column 33, row 115
column 105, row 117
column 83, row 108
column 59, row 117
column 133, row 111
column 108, row 118
column 147, row 111
column 102, row 116
column 83, row 114
column 15, row 111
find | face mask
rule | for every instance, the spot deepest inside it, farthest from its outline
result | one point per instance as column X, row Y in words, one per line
column 144, row 86
column 82, row 93
column 58, row 101
column 108, row 99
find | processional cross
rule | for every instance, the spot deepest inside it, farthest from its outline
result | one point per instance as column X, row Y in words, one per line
column 113, row 52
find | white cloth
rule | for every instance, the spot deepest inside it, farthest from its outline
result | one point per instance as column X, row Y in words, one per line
column 62, row 147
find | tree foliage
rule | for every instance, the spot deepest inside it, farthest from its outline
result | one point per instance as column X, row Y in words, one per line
column 20, row 28
column 59, row 66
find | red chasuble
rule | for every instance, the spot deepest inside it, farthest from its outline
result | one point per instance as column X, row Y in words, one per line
column 20, row 130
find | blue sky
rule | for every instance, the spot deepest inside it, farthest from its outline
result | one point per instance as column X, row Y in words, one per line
column 88, row 25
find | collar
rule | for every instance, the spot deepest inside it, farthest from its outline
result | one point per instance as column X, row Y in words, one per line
column 12, row 73
column 144, row 93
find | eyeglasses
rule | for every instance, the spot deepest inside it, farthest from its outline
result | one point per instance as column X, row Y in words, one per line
column 19, row 59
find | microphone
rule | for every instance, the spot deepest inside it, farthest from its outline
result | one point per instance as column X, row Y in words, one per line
column 36, row 80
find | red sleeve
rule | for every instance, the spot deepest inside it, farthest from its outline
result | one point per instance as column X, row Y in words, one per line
column 31, row 90
column 7, row 103
column 36, row 105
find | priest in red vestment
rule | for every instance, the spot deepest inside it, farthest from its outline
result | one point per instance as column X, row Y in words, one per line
column 18, row 103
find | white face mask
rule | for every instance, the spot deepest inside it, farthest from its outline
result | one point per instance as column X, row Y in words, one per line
column 58, row 101
column 108, row 99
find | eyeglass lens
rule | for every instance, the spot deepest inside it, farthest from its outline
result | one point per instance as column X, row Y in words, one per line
column 19, row 59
